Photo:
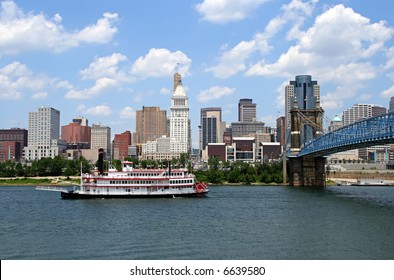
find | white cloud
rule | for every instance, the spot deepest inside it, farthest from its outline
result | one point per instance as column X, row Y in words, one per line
column 107, row 74
column 336, row 49
column 81, row 107
column 127, row 113
column 390, row 76
column 269, row 120
column 330, row 103
column 101, row 32
column 233, row 61
column 165, row 91
column 17, row 81
column 111, row 72
column 280, row 98
column 39, row 95
column 353, row 36
column 101, row 85
column 365, row 97
column 63, row 85
column 100, row 110
column 224, row 11
column 23, row 32
column 161, row 63
column 107, row 66
column 214, row 92
column 388, row 92
column 390, row 59
column 9, row 94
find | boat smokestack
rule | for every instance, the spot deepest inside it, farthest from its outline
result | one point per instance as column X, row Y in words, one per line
column 100, row 164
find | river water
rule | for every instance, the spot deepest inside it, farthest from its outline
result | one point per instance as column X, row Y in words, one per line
column 233, row 222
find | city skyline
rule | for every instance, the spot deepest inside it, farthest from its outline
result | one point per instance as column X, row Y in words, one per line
column 109, row 60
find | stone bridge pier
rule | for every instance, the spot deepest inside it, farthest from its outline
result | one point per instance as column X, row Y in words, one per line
column 307, row 171
column 306, row 124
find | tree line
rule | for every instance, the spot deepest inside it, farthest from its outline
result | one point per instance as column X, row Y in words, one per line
column 240, row 172
column 215, row 171
column 57, row 166
column 60, row 166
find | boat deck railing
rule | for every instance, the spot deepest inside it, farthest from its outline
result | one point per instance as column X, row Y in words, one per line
column 51, row 188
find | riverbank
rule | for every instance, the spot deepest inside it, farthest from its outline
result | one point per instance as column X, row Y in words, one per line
column 333, row 179
column 351, row 177
column 34, row 181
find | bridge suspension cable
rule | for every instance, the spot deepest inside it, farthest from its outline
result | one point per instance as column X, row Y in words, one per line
column 373, row 131
column 309, row 122
column 341, row 132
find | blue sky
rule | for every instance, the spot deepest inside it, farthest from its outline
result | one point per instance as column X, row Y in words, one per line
column 104, row 60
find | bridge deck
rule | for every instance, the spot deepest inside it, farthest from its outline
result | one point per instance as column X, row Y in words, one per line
column 369, row 132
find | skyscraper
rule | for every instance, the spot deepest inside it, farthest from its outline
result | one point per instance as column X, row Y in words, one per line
column 211, row 126
column 15, row 135
column 281, row 130
column 246, row 110
column 77, row 132
column 305, row 91
column 362, row 111
column 121, row 145
column 43, row 134
column 179, row 121
column 101, row 138
column 151, row 123
column 307, row 94
column 179, row 127
column 391, row 108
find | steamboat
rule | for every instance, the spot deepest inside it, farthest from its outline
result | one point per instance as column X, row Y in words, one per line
column 134, row 183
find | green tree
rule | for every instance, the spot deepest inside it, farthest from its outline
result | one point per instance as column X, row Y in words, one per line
column 117, row 164
column 68, row 171
column 183, row 159
column 86, row 168
column 215, row 176
column 20, row 171
column 7, row 169
column 213, row 163
column 233, row 176
column 56, row 165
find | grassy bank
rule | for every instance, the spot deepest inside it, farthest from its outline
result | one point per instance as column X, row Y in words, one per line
column 34, row 181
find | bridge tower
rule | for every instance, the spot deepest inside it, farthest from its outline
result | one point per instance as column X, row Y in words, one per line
column 306, row 124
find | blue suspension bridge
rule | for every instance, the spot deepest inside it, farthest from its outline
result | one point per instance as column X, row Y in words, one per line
column 306, row 161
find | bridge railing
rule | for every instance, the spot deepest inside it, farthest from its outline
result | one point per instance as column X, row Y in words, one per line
column 369, row 132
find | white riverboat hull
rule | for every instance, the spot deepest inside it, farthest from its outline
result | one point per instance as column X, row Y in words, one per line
column 78, row 195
